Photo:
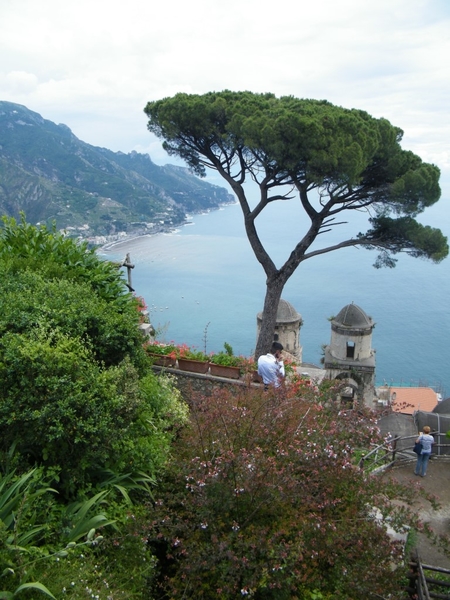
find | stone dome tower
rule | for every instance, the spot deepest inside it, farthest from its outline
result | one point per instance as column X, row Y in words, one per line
column 287, row 328
column 350, row 356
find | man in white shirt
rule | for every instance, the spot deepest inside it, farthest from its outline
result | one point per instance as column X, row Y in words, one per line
column 271, row 366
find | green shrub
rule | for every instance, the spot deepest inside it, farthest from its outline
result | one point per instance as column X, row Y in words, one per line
column 63, row 410
column 30, row 302
column 26, row 247
column 75, row 393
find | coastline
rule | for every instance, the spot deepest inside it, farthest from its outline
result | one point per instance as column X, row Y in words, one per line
column 124, row 238
column 113, row 243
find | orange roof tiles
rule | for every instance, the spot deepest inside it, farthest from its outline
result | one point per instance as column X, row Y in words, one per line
column 407, row 400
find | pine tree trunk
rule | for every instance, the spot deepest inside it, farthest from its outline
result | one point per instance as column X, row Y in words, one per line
column 274, row 290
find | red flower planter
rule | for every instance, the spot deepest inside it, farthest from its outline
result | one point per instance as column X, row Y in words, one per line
column 162, row 360
column 225, row 371
column 194, row 366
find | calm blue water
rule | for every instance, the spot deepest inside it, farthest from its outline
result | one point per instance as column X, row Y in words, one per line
column 206, row 277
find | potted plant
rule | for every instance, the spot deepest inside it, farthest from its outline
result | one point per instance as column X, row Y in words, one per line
column 225, row 363
column 163, row 355
column 190, row 359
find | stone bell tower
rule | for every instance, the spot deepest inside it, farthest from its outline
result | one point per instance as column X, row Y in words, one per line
column 349, row 356
column 287, row 328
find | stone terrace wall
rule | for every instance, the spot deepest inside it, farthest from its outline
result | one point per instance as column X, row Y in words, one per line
column 189, row 383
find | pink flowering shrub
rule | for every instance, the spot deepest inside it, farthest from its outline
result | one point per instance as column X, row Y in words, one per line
column 263, row 500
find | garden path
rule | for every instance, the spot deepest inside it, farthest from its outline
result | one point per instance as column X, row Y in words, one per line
column 437, row 482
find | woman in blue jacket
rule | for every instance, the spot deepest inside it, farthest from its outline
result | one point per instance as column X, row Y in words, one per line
column 427, row 442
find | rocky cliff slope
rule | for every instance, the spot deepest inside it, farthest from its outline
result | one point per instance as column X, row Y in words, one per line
column 51, row 175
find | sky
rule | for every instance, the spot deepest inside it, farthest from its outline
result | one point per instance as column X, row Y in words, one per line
column 94, row 64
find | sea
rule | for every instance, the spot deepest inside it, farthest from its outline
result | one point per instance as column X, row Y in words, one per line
column 203, row 286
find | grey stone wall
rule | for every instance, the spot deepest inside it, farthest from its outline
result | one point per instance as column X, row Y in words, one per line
column 189, row 383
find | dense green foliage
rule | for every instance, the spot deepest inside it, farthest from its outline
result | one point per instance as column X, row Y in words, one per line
column 46, row 545
column 334, row 160
column 72, row 365
column 26, row 247
column 31, row 302
column 85, row 426
column 49, row 173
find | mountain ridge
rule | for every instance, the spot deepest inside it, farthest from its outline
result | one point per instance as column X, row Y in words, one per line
column 52, row 176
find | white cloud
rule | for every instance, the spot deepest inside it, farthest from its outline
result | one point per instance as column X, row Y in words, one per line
column 19, row 82
column 94, row 64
